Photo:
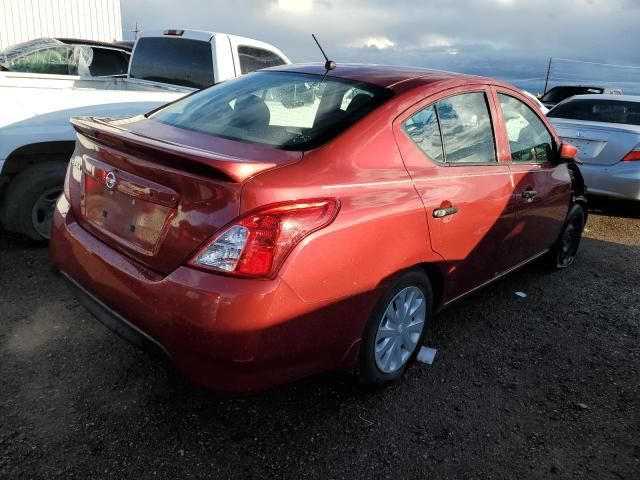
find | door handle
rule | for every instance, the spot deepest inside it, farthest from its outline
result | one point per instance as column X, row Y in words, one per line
column 443, row 212
column 529, row 194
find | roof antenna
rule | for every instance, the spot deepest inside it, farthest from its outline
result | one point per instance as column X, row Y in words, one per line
column 329, row 64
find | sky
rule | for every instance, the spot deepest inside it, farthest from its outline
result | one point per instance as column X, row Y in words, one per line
column 507, row 39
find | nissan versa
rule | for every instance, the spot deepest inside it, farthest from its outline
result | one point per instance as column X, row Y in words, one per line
column 297, row 220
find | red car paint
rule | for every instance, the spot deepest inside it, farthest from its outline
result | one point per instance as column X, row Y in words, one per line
column 241, row 334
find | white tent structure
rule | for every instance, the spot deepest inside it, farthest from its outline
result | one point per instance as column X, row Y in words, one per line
column 22, row 20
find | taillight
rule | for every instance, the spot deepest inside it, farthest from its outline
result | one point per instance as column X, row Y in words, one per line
column 633, row 155
column 257, row 243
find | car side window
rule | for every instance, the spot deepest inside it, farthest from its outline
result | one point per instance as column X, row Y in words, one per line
column 252, row 59
column 108, row 62
column 529, row 138
column 56, row 61
column 467, row 133
column 423, row 129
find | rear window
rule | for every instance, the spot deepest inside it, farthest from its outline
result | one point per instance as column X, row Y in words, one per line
column 178, row 61
column 609, row 111
column 291, row 111
column 557, row 94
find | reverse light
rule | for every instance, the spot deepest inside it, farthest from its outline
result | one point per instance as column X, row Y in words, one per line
column 633, row 155
column 257, row 243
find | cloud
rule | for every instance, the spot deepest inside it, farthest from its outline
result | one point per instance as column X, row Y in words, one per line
column 508, row 38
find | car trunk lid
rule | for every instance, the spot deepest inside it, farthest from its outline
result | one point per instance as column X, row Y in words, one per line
column 158, row 200
column 598, row 143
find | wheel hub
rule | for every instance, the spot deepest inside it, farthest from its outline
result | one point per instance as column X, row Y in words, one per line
column 400, row 329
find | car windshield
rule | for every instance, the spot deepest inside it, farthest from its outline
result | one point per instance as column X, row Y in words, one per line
column 290, row 111
column 557, row 94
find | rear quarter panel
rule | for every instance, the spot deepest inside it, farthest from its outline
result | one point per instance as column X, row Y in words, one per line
column 381, row 227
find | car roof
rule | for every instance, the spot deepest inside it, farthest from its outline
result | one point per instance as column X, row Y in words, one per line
column 606, row 96
column 386, row 76
column 94, row 43
column 604, row 87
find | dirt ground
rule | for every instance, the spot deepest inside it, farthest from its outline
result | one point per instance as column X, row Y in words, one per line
column 546, row 386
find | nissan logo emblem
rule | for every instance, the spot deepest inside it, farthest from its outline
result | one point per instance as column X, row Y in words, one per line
column 110, row 180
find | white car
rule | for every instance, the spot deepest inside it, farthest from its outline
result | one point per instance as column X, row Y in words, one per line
column 535, row 99
column 36, row 138
column 606, row 130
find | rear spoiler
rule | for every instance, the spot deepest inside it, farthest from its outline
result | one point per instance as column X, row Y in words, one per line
column 202, row 162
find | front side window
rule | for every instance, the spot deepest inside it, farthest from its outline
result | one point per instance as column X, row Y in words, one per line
column 252, row 59
column 467, row 133
column 108, row 62
column 178, row 61
column 286, row 110
column 529, row 139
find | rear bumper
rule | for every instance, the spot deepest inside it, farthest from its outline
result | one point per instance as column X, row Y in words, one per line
column 226, row 333
column 621, row 180
column 115, row 322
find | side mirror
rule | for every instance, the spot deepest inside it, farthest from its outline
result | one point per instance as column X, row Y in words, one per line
column 568, row 153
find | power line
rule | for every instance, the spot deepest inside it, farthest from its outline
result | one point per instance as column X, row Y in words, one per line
column 597, row 63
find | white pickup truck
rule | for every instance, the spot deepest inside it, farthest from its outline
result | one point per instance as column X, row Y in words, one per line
column 36, row 138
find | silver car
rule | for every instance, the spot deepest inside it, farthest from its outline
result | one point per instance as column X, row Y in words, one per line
column 606, row 130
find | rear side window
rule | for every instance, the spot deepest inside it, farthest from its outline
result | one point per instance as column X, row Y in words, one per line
column 529, row 139
column 252, row 59
column 467, row 133
column 423, row 129
column 108, row 62
column 611, row 111
column 455, row 130
column 178, row 61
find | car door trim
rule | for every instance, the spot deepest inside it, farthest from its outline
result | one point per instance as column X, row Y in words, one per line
column 495, row 278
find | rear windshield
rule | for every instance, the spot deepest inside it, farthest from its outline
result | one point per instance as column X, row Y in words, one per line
column 557, row 94
column 291, row 111
column 611, row 111
column 178, row 61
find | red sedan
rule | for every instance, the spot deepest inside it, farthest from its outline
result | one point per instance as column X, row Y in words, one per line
column 295, row 220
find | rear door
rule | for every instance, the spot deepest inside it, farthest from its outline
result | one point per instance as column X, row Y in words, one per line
column 448, row 144
column 542, row 187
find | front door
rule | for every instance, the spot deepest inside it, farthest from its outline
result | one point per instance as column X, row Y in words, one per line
column 542, row 189
column 448, row 146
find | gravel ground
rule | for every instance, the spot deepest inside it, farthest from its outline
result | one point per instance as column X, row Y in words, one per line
column 546, row 386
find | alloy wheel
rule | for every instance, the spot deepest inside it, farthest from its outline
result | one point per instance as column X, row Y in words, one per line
column 400, row 329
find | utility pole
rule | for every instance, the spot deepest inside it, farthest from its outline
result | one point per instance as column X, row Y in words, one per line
column 136, row 31
column 546, row 82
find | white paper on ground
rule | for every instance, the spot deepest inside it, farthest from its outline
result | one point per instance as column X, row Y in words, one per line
column 426, row 355
column 521, row 294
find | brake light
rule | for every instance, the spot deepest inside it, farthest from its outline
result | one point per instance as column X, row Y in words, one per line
column 174, row 31
column 633, row 155
column 257, row 243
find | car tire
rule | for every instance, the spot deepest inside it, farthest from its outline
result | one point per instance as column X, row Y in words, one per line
column 28, row 203
column 376, row 366
column 563, row 252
